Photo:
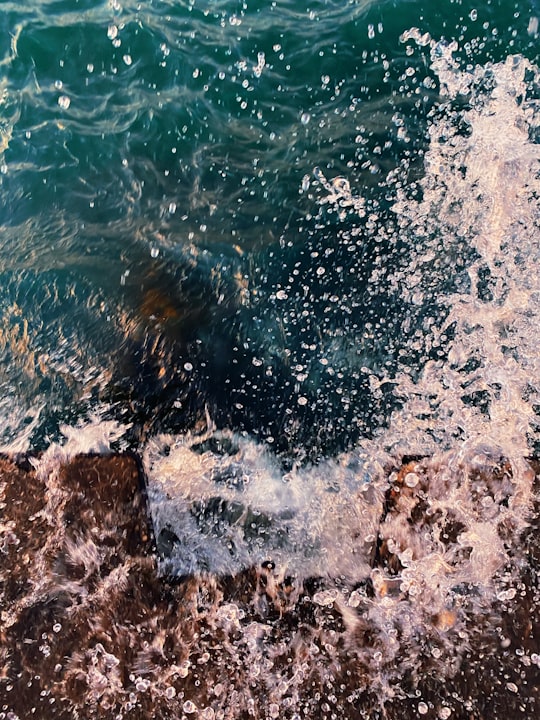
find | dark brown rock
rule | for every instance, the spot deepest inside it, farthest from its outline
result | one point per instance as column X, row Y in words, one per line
column 89, row 629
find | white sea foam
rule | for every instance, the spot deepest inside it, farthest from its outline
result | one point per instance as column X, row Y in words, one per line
column 482, row 187
column 94, row 435
column 230, row 505
column 18, row 424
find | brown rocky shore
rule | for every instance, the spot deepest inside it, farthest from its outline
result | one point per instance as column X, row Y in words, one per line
column 90, row 629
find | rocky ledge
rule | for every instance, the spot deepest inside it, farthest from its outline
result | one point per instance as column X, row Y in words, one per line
column 90, row 628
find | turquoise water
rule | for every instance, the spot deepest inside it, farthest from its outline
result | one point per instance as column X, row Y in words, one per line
column 168, row 245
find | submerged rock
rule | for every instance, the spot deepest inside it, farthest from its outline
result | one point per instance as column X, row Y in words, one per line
column 90, row 627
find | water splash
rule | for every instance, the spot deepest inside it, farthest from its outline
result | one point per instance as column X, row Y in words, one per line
column 221, row 503
column 479, row 192
column 423, row 549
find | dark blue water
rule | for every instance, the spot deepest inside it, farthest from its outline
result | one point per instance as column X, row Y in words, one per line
column 170, row 244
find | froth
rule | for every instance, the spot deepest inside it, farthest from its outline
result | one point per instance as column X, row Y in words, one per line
column 222, row 502
column 479, row 198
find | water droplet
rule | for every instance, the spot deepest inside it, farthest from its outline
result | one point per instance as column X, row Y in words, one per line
column 411, row 480
column 189, row 707
column 112, row 31
column 64, row 102
column 506, row 594
column 422, row 708
column 305, row 118
column 261, row 62
column 188, row 366
column 127, row 59
column 371, row 31
column 302, row 400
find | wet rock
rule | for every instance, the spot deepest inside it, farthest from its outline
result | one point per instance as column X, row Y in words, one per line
column 76, row 543
column 89, row 628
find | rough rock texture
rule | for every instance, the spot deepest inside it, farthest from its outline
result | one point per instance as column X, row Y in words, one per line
column 88, row 629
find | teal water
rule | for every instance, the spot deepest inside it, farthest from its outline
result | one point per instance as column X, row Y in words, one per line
column 168, row 247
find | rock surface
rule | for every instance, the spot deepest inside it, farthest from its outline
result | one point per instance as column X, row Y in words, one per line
column 89, row 628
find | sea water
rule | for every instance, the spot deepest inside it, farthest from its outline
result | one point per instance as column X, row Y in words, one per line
column 279, row 249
